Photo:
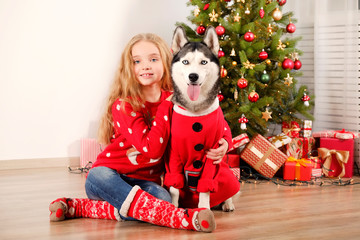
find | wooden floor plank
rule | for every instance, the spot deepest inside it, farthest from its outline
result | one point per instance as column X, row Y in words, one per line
column 263, row 211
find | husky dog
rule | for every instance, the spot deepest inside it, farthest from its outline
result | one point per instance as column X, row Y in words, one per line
column 197, row 125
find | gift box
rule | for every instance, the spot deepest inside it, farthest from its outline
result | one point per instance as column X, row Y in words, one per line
column 316, row 172
column 300, row 147
column 337, row 156
column 342, row 134
column 90, row 149
column 292, row 129
column 306, row 127
column 239, row 141
column 297, row 169
column 233, row 160
column 263, row 156
column 280, row 140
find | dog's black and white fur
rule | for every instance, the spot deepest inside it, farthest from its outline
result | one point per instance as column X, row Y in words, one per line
column 196, row 64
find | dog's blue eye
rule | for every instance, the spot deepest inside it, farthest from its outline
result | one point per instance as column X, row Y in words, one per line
column 204, row 62
column 185, row 62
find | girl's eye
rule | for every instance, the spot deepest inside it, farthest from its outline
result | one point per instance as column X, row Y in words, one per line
column 154, row 60
column 204, row 62
column 185, row 62
column 136, row 61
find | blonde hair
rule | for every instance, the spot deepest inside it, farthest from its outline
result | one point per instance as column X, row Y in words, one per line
column 125, row 85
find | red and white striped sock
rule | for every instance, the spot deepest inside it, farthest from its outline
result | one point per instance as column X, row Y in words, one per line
column 63, row 208
column 145, row 207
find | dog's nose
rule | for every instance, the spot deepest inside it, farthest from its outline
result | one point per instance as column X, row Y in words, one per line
column 193, row 77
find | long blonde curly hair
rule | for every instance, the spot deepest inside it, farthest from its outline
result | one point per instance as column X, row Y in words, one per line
column 125, row 85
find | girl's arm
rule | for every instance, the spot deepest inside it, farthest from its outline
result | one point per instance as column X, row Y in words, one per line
column 150, row 142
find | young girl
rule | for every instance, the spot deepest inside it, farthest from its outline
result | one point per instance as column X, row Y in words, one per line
column 124, row 182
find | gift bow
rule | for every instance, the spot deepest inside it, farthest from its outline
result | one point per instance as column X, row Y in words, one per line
column 301, row 161
column 341, row 156
column 291, row 128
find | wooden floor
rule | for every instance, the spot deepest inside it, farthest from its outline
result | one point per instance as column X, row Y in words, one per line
column 263, row 211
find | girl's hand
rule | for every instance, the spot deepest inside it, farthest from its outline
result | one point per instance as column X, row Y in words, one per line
column 218, row 153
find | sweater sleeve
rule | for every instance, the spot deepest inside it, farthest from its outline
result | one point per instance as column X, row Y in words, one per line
column 149, row 141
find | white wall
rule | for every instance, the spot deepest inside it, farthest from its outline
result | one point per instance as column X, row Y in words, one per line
column 57, row 60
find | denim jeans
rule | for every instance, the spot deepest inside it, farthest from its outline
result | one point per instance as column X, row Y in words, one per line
column 107, row 184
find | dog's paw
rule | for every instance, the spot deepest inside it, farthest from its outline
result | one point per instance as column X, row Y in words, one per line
column 228, row 206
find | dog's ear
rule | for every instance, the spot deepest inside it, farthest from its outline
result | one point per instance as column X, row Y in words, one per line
column 179, row 39
column 211, row 40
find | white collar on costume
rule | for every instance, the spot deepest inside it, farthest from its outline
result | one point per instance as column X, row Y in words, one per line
column 207, row 111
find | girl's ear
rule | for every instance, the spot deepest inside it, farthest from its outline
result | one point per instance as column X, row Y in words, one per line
column 211, row 40
column 179, row 39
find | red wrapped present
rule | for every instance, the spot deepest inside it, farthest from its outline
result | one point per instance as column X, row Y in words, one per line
column 337, row 156
column 297, row 169
column 233, row 160
column 291, row 129
column 280, row 140
column 239, row 141
column 300, row 147
column 263, row 156
column 306, row 127
column 342, row 134
column 90, row 149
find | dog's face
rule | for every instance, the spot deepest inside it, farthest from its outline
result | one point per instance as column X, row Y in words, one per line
column 195, row 70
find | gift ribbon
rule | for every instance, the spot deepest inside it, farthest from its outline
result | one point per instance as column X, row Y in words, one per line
column 279, row 138
column 341, row 156
column 299, row 163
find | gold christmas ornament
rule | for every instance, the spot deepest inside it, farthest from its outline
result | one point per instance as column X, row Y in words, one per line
column 280, row 45
column 196, row 12
column 270, row 29
column 288, row 80
column 266, row 115
column 277, row 14
column 249, row 65
column 237, row 18
column 268, row 61
column 213, row 16
column 236, row 94
column 234, row 63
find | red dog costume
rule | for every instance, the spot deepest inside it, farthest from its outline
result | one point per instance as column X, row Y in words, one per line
column 188, row 169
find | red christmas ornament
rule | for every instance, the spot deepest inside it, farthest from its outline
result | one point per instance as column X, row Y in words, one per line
column 221, row 54
column 281, row 2
column 201, row 30
column 249, row 36
column 288, row 64
column 263, row 55
column 290, row 28
column 220, row 30
column 261, row 12
column 306, row 100
column 253, row 96
column 243, row 120
column 206, row 6
column 297, row 64
column 220, row 97
column 242, row 83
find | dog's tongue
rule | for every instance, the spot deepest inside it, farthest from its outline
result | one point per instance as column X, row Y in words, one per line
column 193, row 92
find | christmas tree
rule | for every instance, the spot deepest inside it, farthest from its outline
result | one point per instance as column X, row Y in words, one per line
column 259, row 62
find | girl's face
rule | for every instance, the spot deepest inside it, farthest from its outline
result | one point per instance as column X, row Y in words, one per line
column 148, row 67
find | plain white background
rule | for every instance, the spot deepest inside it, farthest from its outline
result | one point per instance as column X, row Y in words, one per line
column 57, row 61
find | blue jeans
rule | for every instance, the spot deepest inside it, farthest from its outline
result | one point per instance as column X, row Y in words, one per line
column 106, row 184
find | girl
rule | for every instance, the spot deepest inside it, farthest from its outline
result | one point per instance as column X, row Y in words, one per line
column 124, row 182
